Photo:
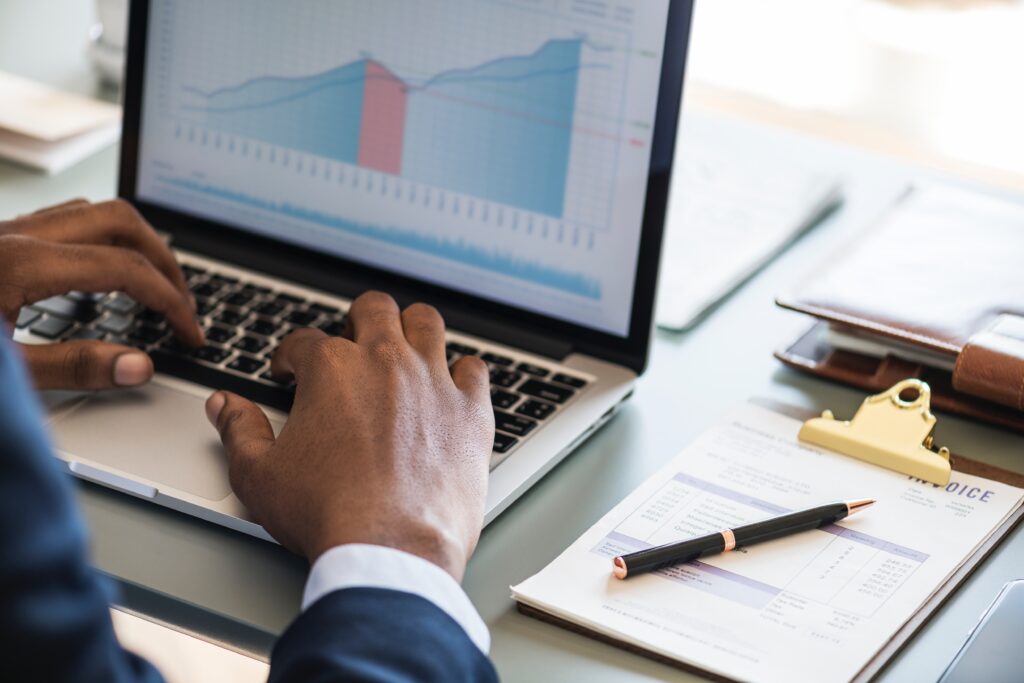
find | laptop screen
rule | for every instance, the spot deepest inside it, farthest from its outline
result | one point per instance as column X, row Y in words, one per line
column 494, row 147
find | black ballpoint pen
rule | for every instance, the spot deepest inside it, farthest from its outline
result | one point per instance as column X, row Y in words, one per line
column 730, row 539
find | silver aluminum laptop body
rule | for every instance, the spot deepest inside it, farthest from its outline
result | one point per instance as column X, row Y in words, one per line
column 155, row 443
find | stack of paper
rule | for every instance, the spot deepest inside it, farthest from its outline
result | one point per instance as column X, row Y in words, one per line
column 49, row 129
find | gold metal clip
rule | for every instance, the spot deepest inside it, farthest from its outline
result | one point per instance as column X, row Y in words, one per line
column 887, row 431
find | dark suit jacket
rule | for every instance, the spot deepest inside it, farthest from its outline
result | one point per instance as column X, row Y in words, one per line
column 54, row 622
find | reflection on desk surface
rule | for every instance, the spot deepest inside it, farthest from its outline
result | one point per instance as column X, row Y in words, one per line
column 183, row 658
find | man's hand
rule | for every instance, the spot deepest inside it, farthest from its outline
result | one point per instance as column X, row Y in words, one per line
column 104, row 247
column 384, row 445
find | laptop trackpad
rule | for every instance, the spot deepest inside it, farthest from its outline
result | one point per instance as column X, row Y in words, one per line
column 158, row 433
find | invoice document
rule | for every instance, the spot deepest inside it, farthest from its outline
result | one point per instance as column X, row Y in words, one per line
column 816, row 606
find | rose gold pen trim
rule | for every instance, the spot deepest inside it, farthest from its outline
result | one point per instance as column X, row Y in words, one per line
column 858, row 505
column 619, row 568
column 730, row 540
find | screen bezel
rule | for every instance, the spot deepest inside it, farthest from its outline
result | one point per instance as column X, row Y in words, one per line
column 471, row 314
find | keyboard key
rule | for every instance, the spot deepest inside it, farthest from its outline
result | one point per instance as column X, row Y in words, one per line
column 238, row 299
column 212, row 354
column 205, row 306
column 192, row 271
column 174, row 345
column 264, row 328
column 50, row 327
column 503, row 399
column 247, row 365
column 205, row 289
column 147, row 334
column 548, row 392
column 58, row 306
column 513, row 424
column 251, row 344
column 534, row 370
column 232, row 318
column 504, row 378
column 503, row 443
column 219, row 335
column 538, row 410
column 269, row 309
column 256, row 290
column 285, row 299
column 116, row 324
column 325, row 309
column 503, row 361
column 26, row 317
column 212, row 376
column 121, row 303
column 462, row 349
column 302, row 318
column 574, row 382
column 86, row 334
column 63, row 307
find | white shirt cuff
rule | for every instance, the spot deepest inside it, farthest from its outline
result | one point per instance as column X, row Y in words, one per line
column 373, row 566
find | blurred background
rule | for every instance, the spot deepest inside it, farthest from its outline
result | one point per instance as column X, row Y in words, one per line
column 934, row 80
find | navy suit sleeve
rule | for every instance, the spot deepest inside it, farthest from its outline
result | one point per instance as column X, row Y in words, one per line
column 54, row 619
column 376, row 635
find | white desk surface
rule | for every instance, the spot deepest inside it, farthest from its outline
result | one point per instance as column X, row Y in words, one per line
column 693, row 379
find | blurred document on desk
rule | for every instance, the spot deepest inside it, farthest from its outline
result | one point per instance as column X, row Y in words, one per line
column 51, row 130
column 734, row 205
column 817, row 606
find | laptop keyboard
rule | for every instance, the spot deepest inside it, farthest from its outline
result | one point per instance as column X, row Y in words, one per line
column 245, row 321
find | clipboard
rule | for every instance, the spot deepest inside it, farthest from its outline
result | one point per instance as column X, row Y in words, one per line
column 912, row 626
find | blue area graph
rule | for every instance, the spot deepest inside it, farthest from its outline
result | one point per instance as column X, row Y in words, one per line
column 451, row 249
column 501, row 131
column 319, row 115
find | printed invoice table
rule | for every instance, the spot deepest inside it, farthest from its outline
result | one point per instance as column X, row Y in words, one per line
column 185, row 567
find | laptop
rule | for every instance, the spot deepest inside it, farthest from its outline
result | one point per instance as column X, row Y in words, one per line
column 507, row 161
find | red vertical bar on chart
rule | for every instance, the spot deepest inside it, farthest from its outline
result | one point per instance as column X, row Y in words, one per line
column 383, row 124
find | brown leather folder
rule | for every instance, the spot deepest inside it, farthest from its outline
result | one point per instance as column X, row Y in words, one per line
column 943, row 272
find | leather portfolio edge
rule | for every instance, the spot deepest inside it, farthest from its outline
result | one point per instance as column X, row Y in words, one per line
column 863, row 323
column 903, row 635
column 821, row 362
